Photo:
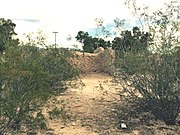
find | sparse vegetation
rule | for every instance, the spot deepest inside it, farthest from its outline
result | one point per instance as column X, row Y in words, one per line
column 60, row 113
column 146, row 68
column 29, row 77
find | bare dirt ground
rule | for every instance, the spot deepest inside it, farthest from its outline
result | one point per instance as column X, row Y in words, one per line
column 92, row 110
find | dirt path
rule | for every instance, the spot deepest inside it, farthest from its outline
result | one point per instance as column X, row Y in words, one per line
column 91, row 108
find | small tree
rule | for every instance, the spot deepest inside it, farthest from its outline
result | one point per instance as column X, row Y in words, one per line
column 134, row 40
column 7, row 34
column 83, row 37
column 91, row 43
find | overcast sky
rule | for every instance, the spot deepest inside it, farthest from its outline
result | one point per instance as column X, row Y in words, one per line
column 66, row 16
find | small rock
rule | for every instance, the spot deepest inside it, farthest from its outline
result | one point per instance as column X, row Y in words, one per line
column 74, row 90
column 107, row 132
column 49, row 132
column 62, row 127
column 32, row 132
column 123, row 126
column 73, row 124
column 113, row 110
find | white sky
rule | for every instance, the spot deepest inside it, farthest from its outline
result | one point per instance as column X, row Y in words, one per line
column 65, row 16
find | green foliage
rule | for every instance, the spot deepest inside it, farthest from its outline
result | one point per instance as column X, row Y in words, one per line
column 55, row 113
column 60, row 113
column 83, row 37
column 29, row 76
column 150, row 77
column 137, row 41
column 6, row 34
column 153, row 82
column 36, row 121
column 91, row 43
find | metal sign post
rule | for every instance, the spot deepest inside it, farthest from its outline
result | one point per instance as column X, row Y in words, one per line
column 55, row 38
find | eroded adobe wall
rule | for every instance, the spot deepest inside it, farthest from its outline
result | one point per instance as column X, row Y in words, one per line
column 104, row 60
column 100, row 61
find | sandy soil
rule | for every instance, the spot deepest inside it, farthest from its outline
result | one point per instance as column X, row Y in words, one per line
column 93, row 111
column 91, row 108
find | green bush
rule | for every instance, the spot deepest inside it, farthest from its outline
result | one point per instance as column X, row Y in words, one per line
column 28, row 77
column 153, row 83
column 150, row 77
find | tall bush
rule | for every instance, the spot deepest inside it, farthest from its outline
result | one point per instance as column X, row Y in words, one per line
column 150, row 77
column 29, row 76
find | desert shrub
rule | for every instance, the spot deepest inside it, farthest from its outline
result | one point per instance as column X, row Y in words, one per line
column 150, row 77
column 28, row 77
column 56, row 113
column 153, row 83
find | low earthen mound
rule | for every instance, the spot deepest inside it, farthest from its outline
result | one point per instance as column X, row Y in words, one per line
column 99, row 50
column 100, row 61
